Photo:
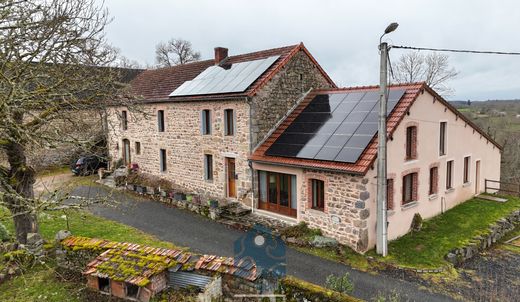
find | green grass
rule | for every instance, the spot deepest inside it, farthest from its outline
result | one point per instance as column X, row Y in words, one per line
column 455, row 228
column 54, row 171
column 41, row 283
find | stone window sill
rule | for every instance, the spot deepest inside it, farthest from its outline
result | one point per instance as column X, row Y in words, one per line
column 450, row 190
column 466, row 184
column 409, row 205
column 433, row 196
column 317, row 212
column 409, row 161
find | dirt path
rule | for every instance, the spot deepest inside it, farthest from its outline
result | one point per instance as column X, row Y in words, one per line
column 47, row 184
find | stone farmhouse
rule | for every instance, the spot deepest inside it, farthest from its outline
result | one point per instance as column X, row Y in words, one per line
column 293, row 146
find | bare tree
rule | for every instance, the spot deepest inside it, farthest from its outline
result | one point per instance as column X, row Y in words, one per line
column 53, row 62
column 434, row 69
column 175, row 52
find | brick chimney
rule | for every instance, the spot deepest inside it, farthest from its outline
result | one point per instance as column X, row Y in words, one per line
column 221, row 53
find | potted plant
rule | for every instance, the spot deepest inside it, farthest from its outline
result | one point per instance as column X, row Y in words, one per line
column 140, row 189
column 213, row 204
column 179, row 196
column 189, row 197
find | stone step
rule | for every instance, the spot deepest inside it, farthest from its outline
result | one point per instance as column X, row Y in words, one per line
column 235, row 209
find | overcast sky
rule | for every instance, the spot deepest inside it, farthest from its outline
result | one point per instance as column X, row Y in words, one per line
column 341, row 35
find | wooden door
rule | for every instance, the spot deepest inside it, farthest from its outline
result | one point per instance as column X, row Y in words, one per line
column 477, row 177
column 231, row 178
column 126, row 152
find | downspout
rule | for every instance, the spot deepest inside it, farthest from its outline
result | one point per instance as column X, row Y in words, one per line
column 249, row 163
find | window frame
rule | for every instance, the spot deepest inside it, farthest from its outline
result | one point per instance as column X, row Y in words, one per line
column 208, row 167
column 449, row 174
column 443, row 133
column 413, row 188
column 137, row 146
column 434, row 186
column 124, row 120
column 205, row 122
column 229, row 122
column 466, row 175
column 163, row 159
column 411, row 142
column 317, row 194
column 160, row 121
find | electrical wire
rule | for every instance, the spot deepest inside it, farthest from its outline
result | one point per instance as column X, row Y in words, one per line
column 457, row 50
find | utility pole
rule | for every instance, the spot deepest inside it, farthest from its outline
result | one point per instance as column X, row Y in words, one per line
column 381, row 232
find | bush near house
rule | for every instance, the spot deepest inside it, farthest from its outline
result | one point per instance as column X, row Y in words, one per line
column 455, row 228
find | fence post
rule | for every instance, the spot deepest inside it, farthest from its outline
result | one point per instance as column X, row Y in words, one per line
column 485, row 185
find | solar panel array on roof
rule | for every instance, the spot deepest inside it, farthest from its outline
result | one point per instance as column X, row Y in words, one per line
column 224, row 79
column 334, row 127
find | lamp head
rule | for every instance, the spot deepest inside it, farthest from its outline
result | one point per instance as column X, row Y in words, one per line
column 390, row 28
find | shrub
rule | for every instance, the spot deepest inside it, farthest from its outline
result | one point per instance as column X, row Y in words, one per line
column 340, row 284
column 300, row 230
column 21, row 258
column 417, row 222
column 4, row 234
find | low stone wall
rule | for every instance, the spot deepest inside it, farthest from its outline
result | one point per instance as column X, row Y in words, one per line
column 498, row 230
column 298, row 290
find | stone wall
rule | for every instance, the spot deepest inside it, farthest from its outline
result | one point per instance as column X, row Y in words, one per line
column 283, row 91
column 345, row 214
column 185, row 145
column 496, row 231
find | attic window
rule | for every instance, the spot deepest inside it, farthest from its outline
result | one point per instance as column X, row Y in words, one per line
column 104, row 284
column 131, row 290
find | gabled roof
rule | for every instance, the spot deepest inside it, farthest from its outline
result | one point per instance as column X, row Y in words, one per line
column 368, row 156
column 155, row 85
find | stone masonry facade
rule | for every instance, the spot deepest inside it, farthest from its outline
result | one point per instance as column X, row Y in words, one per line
column 345, row 214
column 186, row 146
column 275, row 99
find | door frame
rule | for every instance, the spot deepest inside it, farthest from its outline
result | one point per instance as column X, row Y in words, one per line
column 231, row 186
column 127, row 158
column 276, row 207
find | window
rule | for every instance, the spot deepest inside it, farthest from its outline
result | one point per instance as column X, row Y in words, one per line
column 442, row 138
column 277, row 192
column 206, row 122
column 208, row 167
column 467, row 161
column 160, row 120
column 318, row 194
column 449, row 174
column 229, row 122
column 434, row 180
column 104, row 284
column 137, row 148
column 131, row 290
column 124, row 120
column 411, row 142
column 409, row 188
column 389, row 194
column 162, row 160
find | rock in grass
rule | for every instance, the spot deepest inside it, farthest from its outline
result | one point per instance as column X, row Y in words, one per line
column 322, row 241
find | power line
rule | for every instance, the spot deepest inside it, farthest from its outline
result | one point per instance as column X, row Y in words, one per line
column 457, row 50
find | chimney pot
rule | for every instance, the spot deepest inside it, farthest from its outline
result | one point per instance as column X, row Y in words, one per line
column 221, row 53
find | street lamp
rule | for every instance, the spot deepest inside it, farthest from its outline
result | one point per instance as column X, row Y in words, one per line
column 381, row 231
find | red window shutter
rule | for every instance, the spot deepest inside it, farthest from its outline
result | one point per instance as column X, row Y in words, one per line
column 415, row 186
column 390, row 194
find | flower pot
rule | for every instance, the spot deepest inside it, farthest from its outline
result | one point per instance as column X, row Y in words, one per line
column 196, row 199
column 150, row 190
column 180, row 196
column 163, row 194
column 189, row 197
column 140, row 189
column 213, row 204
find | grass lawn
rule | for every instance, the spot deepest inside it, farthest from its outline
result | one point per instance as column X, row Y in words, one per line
column 455, row 228
column 40, row 283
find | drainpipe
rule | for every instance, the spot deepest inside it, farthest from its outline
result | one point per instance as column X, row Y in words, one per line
column 249, row 163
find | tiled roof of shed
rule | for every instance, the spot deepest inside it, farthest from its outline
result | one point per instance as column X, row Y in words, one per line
column 156, row 84
column 136, row 264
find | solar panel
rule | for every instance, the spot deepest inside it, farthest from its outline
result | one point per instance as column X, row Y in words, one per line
column 225, row 79
column 334, row 127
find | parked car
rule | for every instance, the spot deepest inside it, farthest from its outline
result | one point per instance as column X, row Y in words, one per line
column 87, row 165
